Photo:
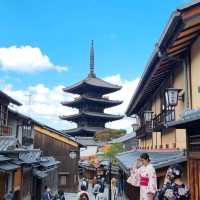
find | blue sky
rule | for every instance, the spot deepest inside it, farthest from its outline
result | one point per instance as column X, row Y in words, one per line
column 124, row 32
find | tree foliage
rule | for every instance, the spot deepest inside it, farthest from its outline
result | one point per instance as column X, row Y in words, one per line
column 109, row 134
column 112, row 149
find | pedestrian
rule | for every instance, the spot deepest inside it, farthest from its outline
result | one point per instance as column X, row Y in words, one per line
column 83, row 190
column 143, row 175
column 173, row 188
column 120, row 184
column 94, row 181
column 101, row 196
column 84, row 196
column 46, row 194
column 61, row 195
column 114, row 188
column 96, row 189
column 8, row 196
column 84, row 183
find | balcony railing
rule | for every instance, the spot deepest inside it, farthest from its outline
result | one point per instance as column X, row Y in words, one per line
column 161, row 119
column 145, row 129
column 5, row 131
column 27, row 141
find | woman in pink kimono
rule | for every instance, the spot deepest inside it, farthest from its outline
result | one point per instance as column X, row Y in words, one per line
column 144, row 176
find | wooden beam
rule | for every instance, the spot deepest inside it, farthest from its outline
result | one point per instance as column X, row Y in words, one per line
column 55, row 136
column 189, row 31
column 185, row 39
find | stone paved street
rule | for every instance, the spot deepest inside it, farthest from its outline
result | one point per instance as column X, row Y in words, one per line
column 73, row 196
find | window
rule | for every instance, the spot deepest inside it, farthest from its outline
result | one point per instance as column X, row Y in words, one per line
column 62, row 180
column 3, row 115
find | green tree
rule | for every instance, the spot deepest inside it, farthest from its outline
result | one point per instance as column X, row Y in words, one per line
column 114, row 150
column 109, row 134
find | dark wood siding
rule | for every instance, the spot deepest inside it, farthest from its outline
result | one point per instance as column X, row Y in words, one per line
column 3, row 178
column 194, row 162
column 60, row 151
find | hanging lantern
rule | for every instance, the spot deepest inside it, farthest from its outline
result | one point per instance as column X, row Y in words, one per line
column 171, row 96
column 73, row 155
column 136, row 122
column 148, row 115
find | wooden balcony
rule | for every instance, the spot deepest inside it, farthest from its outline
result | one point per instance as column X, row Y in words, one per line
column 161, row 119
column 27, row 141
column 5, row 131
column 145, row 130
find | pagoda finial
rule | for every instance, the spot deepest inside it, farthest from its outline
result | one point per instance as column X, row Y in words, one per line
column 92, row 74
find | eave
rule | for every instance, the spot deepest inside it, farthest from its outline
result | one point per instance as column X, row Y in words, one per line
column 179, row 34
column 93, row 115
column 85, row 99
column 80, row 131
column 9, row 99
column 92, row 83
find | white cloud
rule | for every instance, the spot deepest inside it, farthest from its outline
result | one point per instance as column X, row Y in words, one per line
column 26, row 59
column 125, row 94
column 44, row 103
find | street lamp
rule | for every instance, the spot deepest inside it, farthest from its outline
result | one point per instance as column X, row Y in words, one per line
column 110, row 174
column 136, row 122
column 72, row 155
column 171, row 96
column 148, row 115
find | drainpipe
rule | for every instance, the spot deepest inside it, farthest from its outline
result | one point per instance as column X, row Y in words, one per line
column 186, row 92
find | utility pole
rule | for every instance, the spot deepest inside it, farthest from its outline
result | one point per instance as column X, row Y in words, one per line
column 29, row 95
column 110, row 174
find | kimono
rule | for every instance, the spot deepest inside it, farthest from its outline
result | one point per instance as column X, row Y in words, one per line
column 172, row 191
column 145, row 178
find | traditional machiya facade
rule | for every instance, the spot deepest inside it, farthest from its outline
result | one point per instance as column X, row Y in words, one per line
column 23, row 170
column 91, row 103
column 174, row 64
column 64, row 149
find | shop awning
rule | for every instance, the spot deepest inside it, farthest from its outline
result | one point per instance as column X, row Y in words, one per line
column 159, row 159
column 8, row 167
column 189, row 119
column 48, row 162
column 39, row 173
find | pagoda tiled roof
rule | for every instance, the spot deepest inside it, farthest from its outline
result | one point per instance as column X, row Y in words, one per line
column 83, row 98
column 80, row 131
column 105, row 116
column 93, row 82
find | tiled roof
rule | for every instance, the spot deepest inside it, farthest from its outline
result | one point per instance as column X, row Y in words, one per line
column 158, row 158
column 92, row 81
column 92, row 114
column 48, row 161
column 7, row 143
column 88, row 141
column 4, row 158
column 124, row 138
column 10, row 99
column 30, row 156
column 8, row 167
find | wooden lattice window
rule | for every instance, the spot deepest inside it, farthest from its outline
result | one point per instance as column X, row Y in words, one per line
column 3, row 114
column 62, row 180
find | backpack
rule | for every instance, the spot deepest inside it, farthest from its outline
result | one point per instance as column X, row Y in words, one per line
column 84, row 185
column 96, row 189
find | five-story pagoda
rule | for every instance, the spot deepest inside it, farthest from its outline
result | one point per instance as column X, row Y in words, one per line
column 91, row 103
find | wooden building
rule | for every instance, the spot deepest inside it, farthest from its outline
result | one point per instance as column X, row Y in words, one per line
column 168, row 93
column 62, row 148
column 23, row 170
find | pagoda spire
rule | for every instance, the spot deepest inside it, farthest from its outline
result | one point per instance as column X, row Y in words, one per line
column 92, row 74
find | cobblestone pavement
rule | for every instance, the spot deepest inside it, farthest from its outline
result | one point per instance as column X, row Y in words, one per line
column 73, row 196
